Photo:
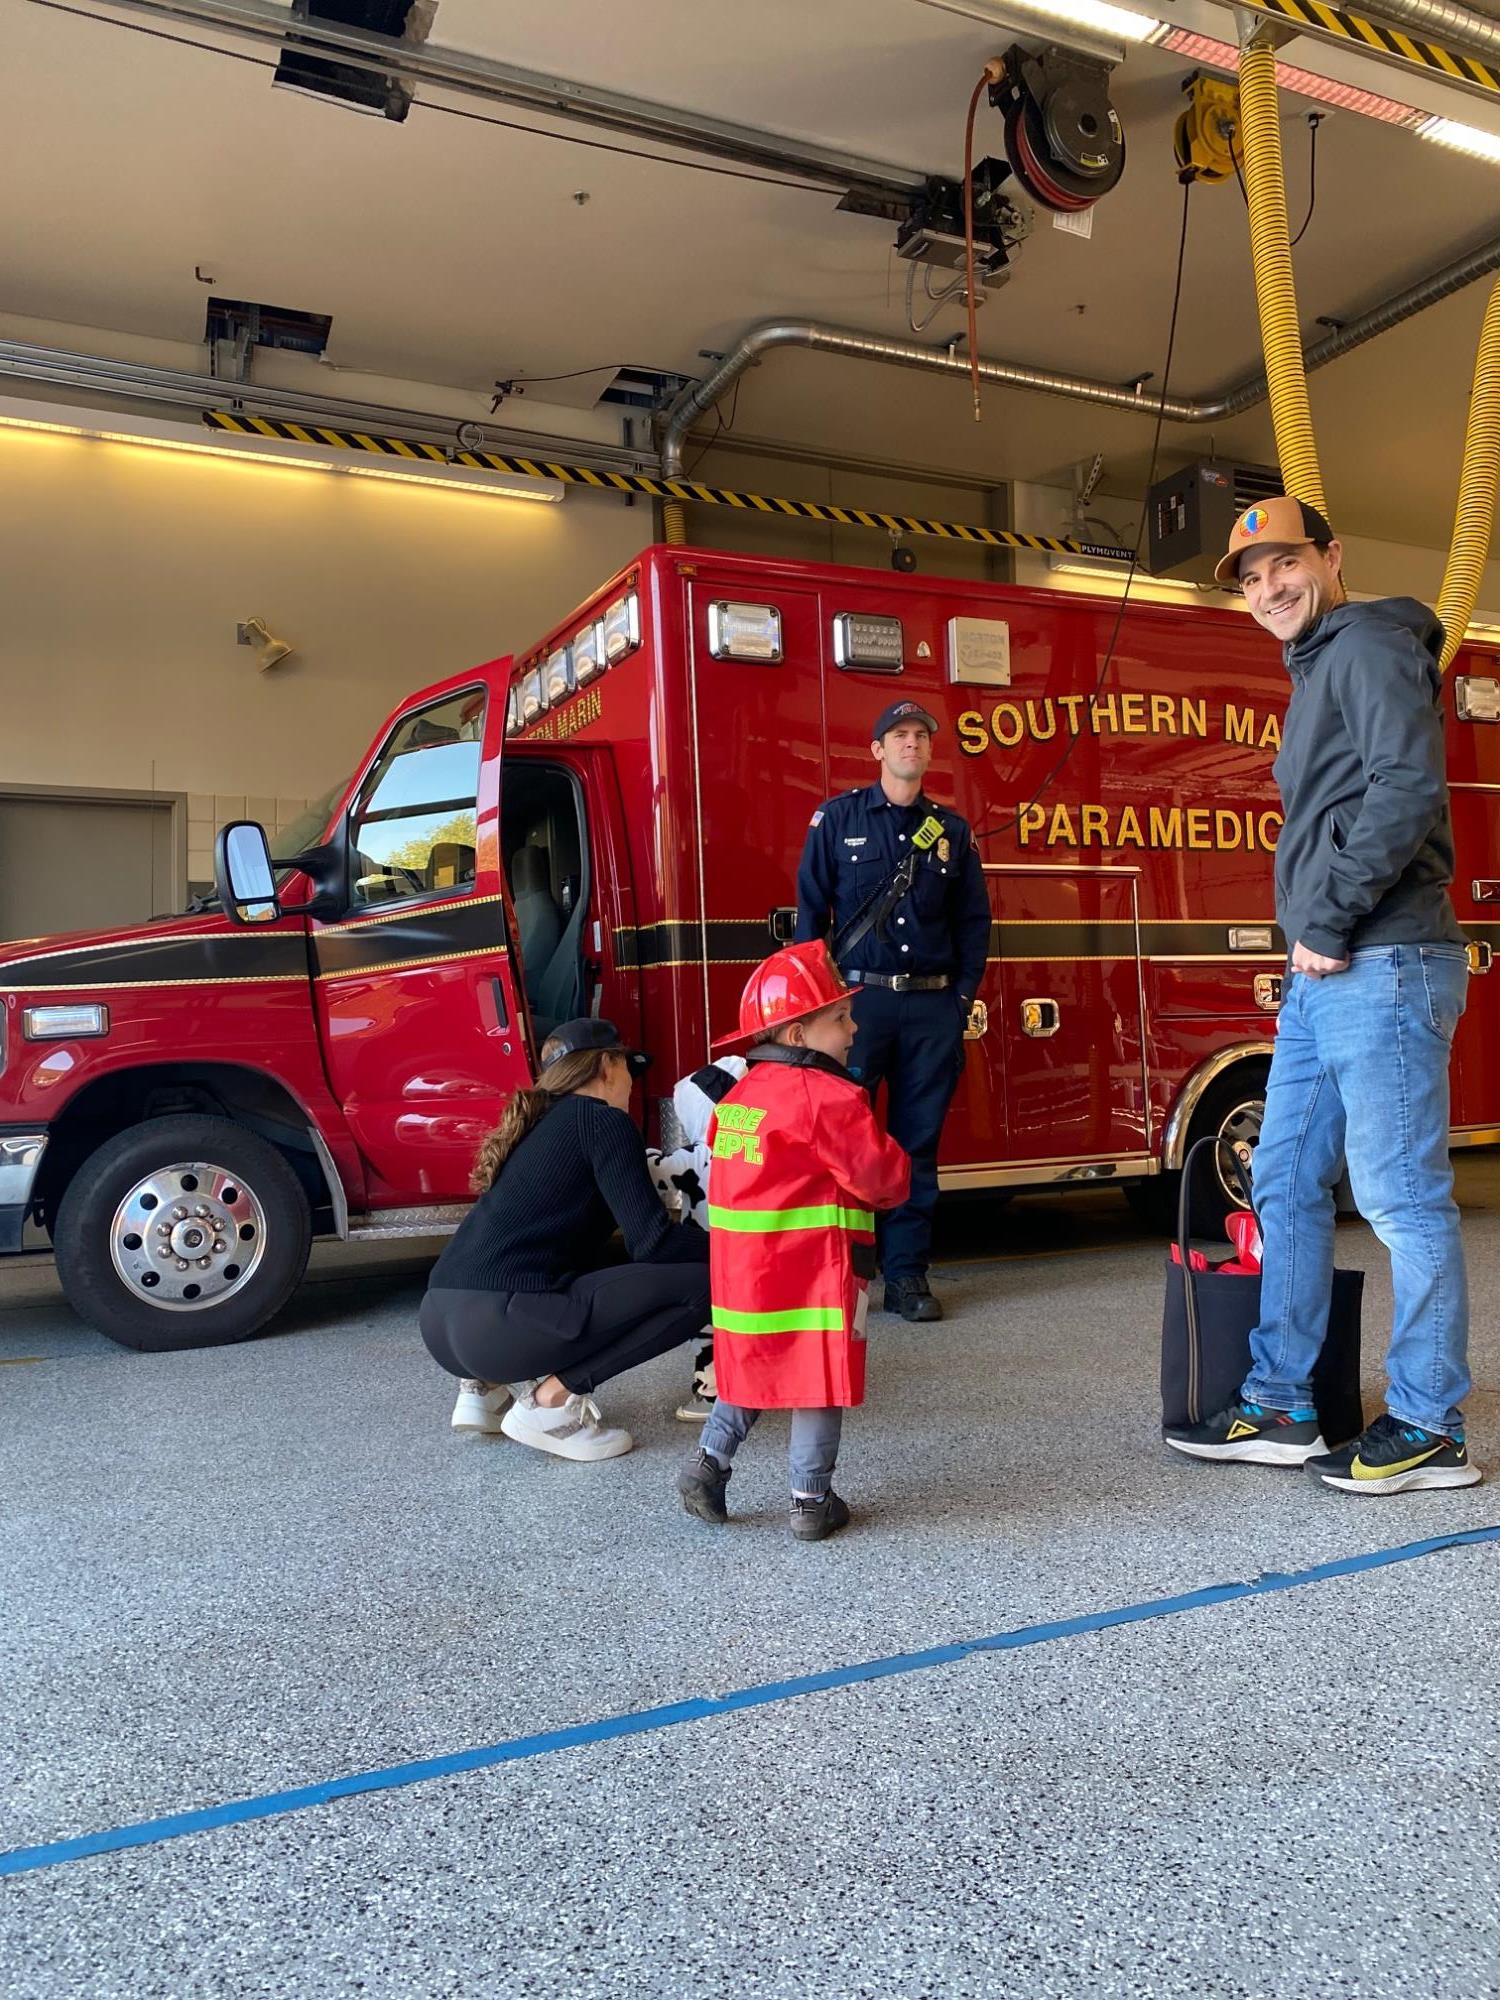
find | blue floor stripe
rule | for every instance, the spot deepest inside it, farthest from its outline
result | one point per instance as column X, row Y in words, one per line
column 641, row 1722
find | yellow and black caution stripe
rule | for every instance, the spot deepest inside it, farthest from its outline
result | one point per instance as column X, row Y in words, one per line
column 1385, row 41
column 656, row 487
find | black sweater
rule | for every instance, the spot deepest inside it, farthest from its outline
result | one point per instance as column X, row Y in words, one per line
column 554, row 1207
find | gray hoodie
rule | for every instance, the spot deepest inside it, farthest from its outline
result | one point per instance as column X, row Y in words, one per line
column 1366, row 853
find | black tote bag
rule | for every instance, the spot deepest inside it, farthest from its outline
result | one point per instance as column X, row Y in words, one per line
column 1205, row 1334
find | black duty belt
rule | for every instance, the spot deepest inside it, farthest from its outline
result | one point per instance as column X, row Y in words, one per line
column 902, row 982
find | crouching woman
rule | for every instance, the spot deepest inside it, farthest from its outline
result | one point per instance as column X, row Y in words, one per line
column 524, row 1302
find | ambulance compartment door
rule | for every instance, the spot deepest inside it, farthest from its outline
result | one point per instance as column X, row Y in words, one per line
column 760, row 773
column 1059, row 1075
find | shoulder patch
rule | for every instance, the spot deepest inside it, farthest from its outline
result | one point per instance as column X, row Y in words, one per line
column 817, row 818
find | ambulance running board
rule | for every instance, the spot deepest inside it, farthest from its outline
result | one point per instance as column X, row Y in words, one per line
column 439, row 1220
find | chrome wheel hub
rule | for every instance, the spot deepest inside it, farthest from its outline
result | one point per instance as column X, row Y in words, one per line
column 188, row 1236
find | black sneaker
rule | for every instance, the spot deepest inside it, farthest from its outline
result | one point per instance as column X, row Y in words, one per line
column 911, row 1298
column 1392, row 1457
column 701, row 1485
column 814, row 1520
column 1247, row 1434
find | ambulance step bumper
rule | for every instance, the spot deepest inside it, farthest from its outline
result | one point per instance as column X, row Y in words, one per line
column 387, row 1223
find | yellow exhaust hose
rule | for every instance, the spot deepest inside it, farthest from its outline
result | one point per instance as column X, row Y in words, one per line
column 1275, row 288
column 1477, row 486
column 674, row 523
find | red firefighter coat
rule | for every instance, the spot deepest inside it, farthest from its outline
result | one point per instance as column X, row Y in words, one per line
column 798, row 1163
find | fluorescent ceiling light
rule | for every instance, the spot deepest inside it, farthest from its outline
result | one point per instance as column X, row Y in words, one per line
column 151, row 434
column 1462, row 138
column 1093, row 25
column 1101, row 570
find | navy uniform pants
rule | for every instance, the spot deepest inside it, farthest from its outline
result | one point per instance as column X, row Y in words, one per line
column 913, row 1044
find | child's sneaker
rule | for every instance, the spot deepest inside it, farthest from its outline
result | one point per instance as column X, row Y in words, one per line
column 1392, row 1457
column 813, row 1520
column 480, row 1407
column 701, row 1485
column 575, row 1429
column 1248, row 1434
column 700, row 1399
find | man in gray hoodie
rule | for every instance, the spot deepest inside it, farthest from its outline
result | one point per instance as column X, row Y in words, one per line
column 1377, row 974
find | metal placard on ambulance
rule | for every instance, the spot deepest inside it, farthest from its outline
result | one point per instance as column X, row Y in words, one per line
column 979, row 651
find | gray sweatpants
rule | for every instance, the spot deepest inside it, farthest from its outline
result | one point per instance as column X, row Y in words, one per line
column 810, row 1457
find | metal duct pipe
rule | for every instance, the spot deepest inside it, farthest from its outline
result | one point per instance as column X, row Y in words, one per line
column 100, row 375
column 1440, row 21
column 692, row 403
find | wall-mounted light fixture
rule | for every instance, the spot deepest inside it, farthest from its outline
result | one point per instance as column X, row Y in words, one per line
column 270, row 651
column 154, row 434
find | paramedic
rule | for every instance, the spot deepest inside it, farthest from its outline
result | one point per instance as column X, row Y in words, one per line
column 915, row 970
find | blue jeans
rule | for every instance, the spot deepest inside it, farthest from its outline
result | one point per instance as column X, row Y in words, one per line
column 1360, row 1073
column 814, row 1446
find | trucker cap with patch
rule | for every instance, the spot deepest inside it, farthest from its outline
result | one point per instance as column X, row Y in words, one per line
column 1279, row 522
column 899, row 712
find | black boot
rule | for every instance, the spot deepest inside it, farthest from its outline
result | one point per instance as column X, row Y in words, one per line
column 911, row 1298
column 701, row 1485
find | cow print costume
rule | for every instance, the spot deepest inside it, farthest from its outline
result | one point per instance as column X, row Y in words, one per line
column 681, row 1179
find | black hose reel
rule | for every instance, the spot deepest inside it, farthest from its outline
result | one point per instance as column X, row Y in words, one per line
column 1062, row 134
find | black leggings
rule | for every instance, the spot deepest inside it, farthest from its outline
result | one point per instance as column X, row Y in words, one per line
column 601, row 1325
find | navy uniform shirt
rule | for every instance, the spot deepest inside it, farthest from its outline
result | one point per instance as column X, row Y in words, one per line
column 854, row 846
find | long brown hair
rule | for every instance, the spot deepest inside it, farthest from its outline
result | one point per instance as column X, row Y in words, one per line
column 528, row 1107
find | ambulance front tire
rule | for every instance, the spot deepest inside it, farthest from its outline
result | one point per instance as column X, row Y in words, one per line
column 1232, row 1106
column 227, row 1253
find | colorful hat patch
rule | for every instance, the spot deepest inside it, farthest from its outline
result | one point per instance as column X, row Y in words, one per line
column 1254, row 521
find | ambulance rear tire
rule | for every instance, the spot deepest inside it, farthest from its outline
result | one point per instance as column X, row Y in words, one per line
column 182, row 1232
column 1233, row 1106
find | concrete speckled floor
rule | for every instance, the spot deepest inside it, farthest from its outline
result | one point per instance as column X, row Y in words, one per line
column 254, row 1568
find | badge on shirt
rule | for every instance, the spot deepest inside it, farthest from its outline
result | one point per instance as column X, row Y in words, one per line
column 944, row 849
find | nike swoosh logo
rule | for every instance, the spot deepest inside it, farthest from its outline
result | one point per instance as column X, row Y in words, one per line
column 1359, row 1470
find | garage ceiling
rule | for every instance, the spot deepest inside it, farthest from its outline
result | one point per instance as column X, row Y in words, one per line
column 452, row 250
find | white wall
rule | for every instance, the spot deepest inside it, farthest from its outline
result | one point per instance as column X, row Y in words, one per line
column 124, row 571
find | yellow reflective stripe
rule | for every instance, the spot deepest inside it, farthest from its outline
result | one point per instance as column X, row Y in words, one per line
column 800, row 1319
column 765, row 1221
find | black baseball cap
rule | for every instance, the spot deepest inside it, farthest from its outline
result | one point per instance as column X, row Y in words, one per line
column 589, row 1032
column 899, row 712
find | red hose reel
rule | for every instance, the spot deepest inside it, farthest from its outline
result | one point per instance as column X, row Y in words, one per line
column 1063, row 136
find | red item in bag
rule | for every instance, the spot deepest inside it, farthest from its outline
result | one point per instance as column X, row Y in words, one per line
column 1243, row 1232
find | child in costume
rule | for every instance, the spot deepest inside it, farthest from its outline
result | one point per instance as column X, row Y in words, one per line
column 799, row 1163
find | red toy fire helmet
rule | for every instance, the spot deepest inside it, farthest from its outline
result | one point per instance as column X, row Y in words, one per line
column 798, row 980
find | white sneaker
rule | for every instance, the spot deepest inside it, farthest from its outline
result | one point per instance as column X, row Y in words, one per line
column 480, row 1407
column 574, row 1429
column 698, row 1403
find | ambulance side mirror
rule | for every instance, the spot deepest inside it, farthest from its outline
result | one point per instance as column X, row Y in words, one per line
column 244, row 874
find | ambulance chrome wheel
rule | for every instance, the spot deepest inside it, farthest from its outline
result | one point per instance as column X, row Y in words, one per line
column 189, row 1234
column 1233, row 1106
column 1239, row 1128
column 182, row 1232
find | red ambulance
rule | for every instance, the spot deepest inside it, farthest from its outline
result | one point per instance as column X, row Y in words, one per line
column 612, row 823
